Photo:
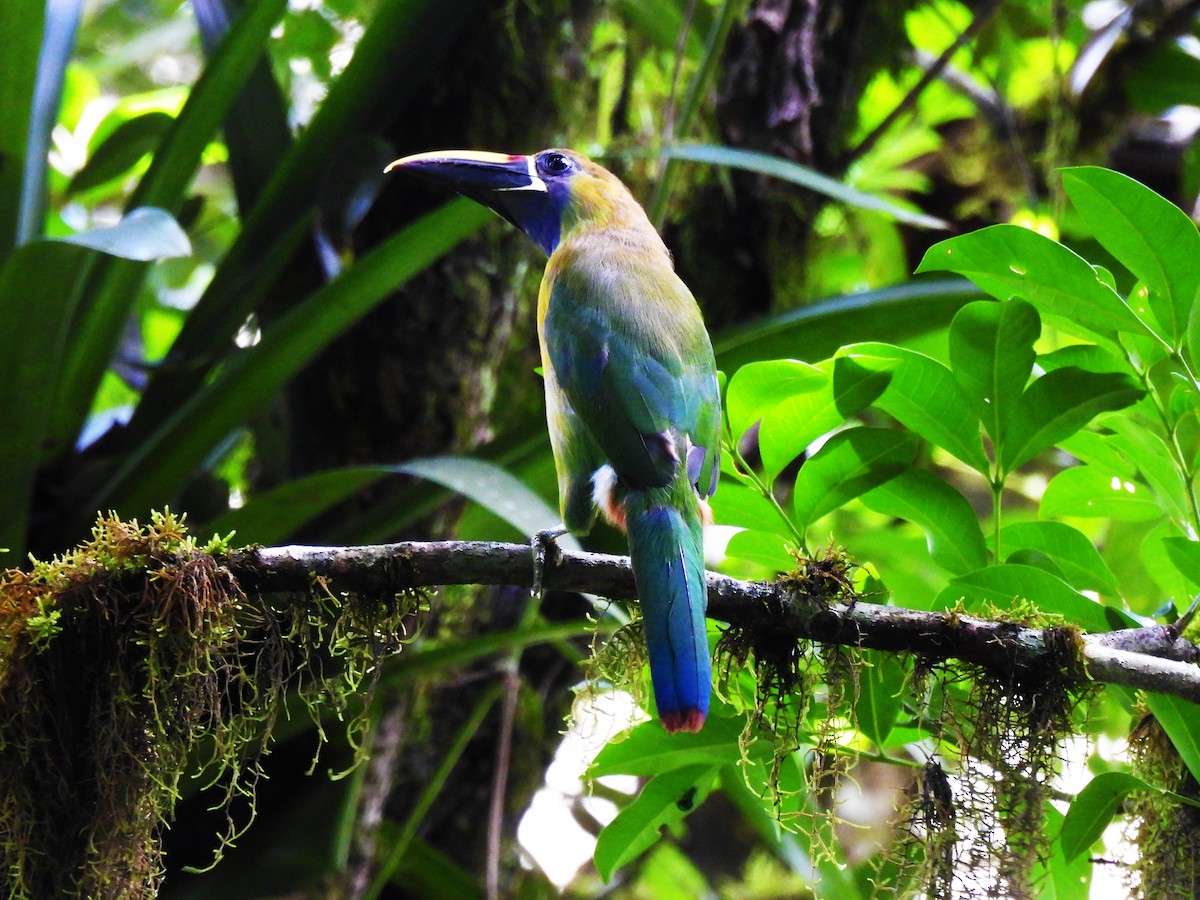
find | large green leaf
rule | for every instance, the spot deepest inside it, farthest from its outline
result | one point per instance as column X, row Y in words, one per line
column 1147, row 450
column 925, row 397
column 649, row 750
column 847, row 465
column 665, row 800
column 1059, row 878
column 880, row 696
column 1093, row 809
column 1059, row 404
column 22, row 25
column 494, row 489
column 1089, row 493
column 1071, row 551
column 991, row 353
column 1007, row 261
column 757, row 388
column 1181, row 721
column 792, row 424
column 1152, row 237
column 1001, row 585
column 950, row 524
column 39, row 287
column 160, row 466
column 786, row 170
column 58, row 42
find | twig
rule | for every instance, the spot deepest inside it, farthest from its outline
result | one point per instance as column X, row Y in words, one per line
column 1145, row 658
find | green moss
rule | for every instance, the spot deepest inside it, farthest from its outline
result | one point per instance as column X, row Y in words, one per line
column 123, row 660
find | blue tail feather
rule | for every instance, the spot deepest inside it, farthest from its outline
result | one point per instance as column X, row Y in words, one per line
column 665, row 547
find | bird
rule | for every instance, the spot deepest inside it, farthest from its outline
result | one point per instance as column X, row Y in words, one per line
column 632, row 394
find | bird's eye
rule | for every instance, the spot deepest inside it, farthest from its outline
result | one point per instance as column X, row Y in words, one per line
column 555, row 164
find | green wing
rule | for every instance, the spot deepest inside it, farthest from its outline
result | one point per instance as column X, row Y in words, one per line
column 630, row 353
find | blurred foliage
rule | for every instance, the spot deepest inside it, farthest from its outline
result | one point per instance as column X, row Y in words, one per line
column 803, row 160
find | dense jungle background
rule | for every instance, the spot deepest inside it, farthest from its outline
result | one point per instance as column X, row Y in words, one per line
column 215, row 301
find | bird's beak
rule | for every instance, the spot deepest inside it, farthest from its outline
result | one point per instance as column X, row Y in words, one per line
column 475, row 173
column 509, row 185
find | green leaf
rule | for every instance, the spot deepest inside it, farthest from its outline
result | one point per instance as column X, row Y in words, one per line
column 880, row 695
column 1076, row 556
column 121, row 150
column 1150, row 454
column 22, row 25
column 847, row 465
column 1001, row 585
column 769, row 549
column 159, row 467
column 39, row 38
column 1098, row 451
column 759, row 387
column 1152, row 237
column 39, row 288
column 1184, row 555
column 1181, row 721
column 1088, row 493
column 791, row 425
column 1059, row 404
column 950, row 524
column 745, row 507
column 1057, row 877
column 786, row 170
column 494, row 489
column 924, row 396
column 665, row 800
column 1008, row 261
column 649, row 750
column 991, row 353
column 1093, row 809
column 143, row 234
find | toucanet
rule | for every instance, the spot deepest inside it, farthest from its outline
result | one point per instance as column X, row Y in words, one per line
column 632, row 400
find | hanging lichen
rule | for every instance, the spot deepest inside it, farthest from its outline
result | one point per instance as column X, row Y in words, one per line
column 125, row 656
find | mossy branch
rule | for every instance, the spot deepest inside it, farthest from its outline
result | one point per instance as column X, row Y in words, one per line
column 1153, row 658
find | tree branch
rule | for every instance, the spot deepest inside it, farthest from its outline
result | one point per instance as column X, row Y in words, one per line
column 1153, row 658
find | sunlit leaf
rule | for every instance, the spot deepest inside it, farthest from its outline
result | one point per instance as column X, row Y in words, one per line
column 1093, row 809
column 924, row 396
column 143, row 234
column 948, row 520
column 848, row 464
column 666, row 799
column 786, row 170
column 991, row 353
column 1152, row 237
column 794, row 423
column 649, row 750
column 1008, row 261
column 1086, row 492
column 1072, row 552
column 1060, row 403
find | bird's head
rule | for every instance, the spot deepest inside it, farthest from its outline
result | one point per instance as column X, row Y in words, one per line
column 546, row 195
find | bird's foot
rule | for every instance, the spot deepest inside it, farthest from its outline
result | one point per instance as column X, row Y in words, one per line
column 540, row 544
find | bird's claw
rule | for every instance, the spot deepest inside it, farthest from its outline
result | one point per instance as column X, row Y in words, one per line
column 540, row 544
